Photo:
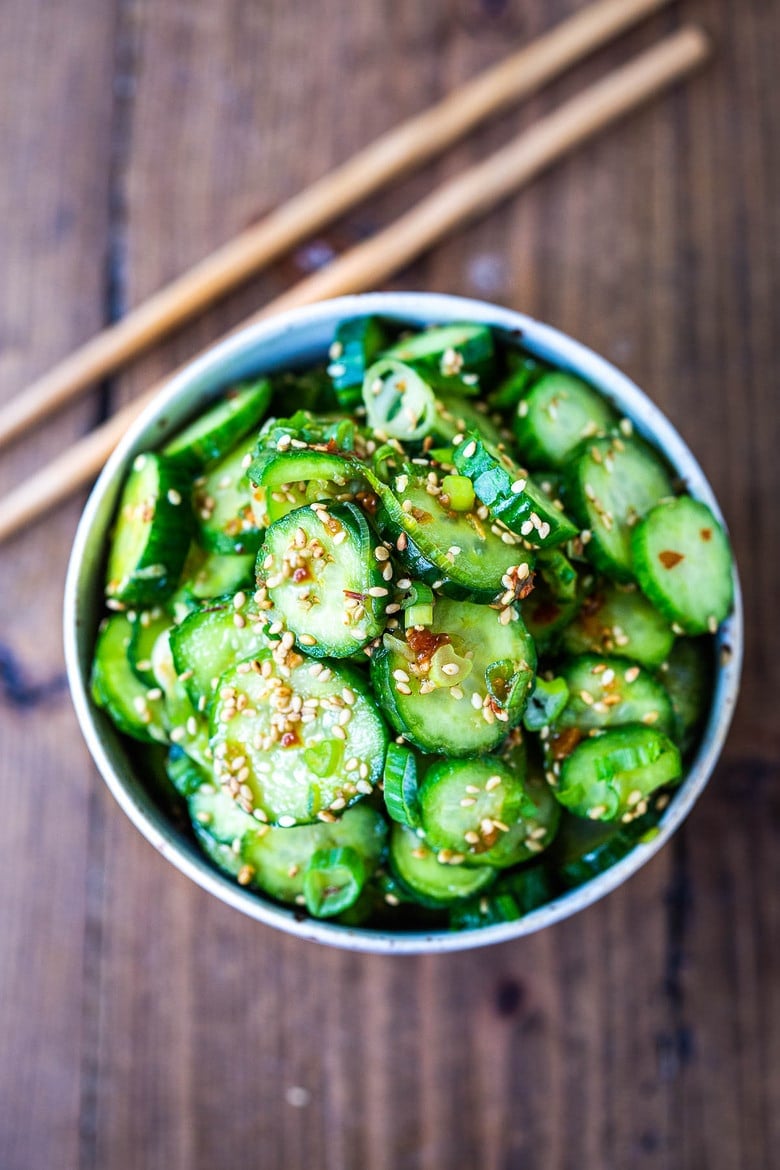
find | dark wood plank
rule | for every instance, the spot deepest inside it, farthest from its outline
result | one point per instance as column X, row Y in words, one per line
column 54, row 140
column 145, row 1025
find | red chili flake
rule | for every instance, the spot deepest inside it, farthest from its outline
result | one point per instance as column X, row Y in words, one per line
column 706, row 534
column 424, row 644
column 563, row 744
column 300, row 574
column 669, row 559
column 527, row 588
column 289, row 739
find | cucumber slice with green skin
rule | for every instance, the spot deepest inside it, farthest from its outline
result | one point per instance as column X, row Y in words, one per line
column 207, row 575
column 147, row 627
column 455, row 416
column 295, row 740
column 400, row 787
column 611, row 776
column 614, row 481
column 459, row 553
column 433, row 883
column 459, row 717
column 187, row 727
column 356, row 345
column 480, row 812
column 619, row 620
column 584, row 849
column 322, row 570
column 307, row 390
column 510, row 495
column 399, row 404
column 290, row 479
column 525, row 373
column 513, row 896
column 687, row 679
column 277, row 859
column 546, row 703
column 555, row 416
column 487, row 910
column 151, row 535
column 118, row 690
column 211, row 436
column 333, row 881
column 213, row 638
column 545, row 615
column 683, row 563
column 610, row 692
column 220, row 827
column 222, row 504
column 454, row 358
column 186, row 776
column 557, row 571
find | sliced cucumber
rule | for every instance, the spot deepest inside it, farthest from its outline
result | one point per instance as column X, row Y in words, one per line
column 118, row 690
column 151, row 535
column 619, row 620
column 525, row 371
column 613, row 483
column 277, row 859
column 584, row 849
column 185, row 775
column 187, row 727
column 545, row 615
column 454, row 713
column 687, row 678
column 333, row 881
column 480, row 812
column 546, row 703
column 213, row 638
column 357, row 343
column 322, row 573
column 455, row 416
column 147, row 627
column 609, row 692
column 400, row 788
column 611, row 776
column 211, row 436
column 460, row 553
column 555, row 416
column 289, row 479
column 206, row 575
column 295, row 740
column 223, row 506
column 454, row 358
column 510, row 495
column 683, row 562
column 433, row 882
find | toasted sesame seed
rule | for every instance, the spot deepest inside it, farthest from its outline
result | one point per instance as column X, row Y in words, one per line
column 650, row 717
column 587, row 698
column 468, row 801
column 597, row 811
column 307, row 640
column 632, row 674
column 493, row 783
column 378, row 591
column 403, row 689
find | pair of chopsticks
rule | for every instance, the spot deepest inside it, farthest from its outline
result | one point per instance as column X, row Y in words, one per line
column 463, row 198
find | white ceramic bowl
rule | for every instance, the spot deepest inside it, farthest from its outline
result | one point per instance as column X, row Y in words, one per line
column 293, row 340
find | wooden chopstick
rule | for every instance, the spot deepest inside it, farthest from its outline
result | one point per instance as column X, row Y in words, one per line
column 463, row 198
column 394, row 153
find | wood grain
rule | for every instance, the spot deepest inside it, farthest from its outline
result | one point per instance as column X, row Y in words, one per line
column 144, row 1025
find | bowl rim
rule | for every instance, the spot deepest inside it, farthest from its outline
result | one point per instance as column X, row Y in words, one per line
column 418, row 308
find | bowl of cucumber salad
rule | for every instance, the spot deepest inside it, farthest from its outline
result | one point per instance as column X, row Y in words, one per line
column 404, row 622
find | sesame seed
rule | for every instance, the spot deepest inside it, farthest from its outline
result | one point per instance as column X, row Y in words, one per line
column 470, row 450
column 597, row 812
column 378, row 591
column 587, row 698
column 650, row 717
column 286, row 822
column 381, row 553
column 493, row 783
column 402, row 542
column 468, row 801
column 518, row 487
column 403, row 689
column 632, row 674
column 401, row 676
column 307, row 640
column 456, row 692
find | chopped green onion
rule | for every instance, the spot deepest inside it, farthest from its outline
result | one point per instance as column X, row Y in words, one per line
column 503, row 681
column 333, row 881
column 418, row 606
column 324, row 758
column 460, row 490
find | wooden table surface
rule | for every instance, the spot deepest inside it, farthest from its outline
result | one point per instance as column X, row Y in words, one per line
column 145, row 1026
